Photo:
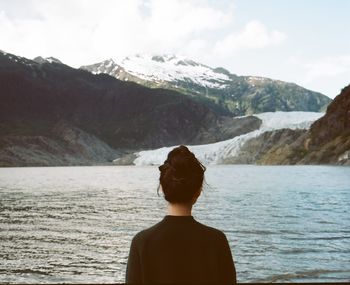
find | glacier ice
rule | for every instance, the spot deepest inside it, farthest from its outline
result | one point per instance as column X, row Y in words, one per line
column 214, row 153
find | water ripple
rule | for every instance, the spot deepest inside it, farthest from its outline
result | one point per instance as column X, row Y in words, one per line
column 75, row 224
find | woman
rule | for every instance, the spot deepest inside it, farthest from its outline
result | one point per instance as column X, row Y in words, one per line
column 179, row 249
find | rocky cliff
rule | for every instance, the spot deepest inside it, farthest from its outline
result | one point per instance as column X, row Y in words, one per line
column 327, row 141
column 329, row 137
column 65, row 145
column 274, row 147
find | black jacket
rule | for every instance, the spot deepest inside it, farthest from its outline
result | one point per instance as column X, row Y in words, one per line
column 180, row 250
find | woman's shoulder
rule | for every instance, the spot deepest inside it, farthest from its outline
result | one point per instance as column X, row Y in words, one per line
column 143, row 234
column 215, row 232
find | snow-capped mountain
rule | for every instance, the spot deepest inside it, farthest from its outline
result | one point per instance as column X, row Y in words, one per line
column 161, row 69
column 238, row 95
column 171, row 69
column 17, row 59
column 216, row 153
column 28, row 62
column 50, row 59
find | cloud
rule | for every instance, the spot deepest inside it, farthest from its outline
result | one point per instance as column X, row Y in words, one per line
column 327, row 67
column 80, row 33
column 323, row 67
column 329, row 73
column 254, row 36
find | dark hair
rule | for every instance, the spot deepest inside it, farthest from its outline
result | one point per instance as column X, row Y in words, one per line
column 181, row 175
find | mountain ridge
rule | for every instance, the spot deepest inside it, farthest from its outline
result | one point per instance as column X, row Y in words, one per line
column 238, row 95
column 113, row 115
column 52, row 114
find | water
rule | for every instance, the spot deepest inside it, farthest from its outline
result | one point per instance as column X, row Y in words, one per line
column 75, row 224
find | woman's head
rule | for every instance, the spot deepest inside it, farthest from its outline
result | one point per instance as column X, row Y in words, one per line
column 181, row 176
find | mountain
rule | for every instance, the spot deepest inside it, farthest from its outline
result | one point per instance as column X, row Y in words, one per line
column 335, row 123
column 329, row 138
column 237, row 95
column 327, row 141
column 50, row 59
column 52, row 114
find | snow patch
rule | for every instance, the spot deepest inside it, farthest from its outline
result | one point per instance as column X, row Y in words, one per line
column 344, row 156
column 52, row 60
column 109, row 64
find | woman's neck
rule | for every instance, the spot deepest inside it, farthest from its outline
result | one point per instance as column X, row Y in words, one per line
column 179, row 209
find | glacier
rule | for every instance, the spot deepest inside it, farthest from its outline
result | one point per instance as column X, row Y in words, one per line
column 215, row 153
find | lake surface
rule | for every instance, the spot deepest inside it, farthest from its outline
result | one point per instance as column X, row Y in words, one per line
column 75, row 224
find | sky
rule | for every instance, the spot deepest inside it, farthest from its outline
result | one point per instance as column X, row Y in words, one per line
column 302, row 41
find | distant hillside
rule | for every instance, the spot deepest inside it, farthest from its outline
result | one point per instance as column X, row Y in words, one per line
column 52, row 114
column 238, row 95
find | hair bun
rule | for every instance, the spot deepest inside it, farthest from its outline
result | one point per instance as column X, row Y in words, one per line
column 181, row 175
